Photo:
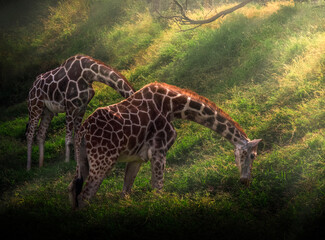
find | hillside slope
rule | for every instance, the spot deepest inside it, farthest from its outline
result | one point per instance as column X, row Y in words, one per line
column 263, row 65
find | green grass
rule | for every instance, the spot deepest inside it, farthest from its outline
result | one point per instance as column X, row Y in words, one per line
column 266, row 71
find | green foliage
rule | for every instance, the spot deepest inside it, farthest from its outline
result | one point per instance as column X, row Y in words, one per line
column 60, row 31
column 123, row 43
column 266, row 71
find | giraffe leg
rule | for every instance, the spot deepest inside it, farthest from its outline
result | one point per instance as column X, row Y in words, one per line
column 82, row 171
column 68, row 136
column 75, row 188
column 73, row 123
column 158, row 160
column 158, row 163
column 34, row 116
column 97, row 173
column 46, row 119
column 131, row 171
column 77, row 125
column 30, row 135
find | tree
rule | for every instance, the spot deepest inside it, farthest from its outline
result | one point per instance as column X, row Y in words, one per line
column 182, row 17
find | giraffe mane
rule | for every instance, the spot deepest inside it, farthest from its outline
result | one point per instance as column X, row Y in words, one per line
column 202, row 99
column 111, row 68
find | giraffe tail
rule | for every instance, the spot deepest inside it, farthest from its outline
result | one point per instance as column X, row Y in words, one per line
column 76, row 185
column 82, row 160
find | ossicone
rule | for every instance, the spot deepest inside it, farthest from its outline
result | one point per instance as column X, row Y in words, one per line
column 254, row 143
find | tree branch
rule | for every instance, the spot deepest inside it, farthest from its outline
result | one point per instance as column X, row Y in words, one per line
column 185, row 20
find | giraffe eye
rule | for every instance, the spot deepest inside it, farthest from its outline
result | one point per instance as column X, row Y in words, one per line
column 253, row 155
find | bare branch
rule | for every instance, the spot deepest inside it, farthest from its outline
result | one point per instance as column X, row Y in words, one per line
column 185, row 20
column 190, row 29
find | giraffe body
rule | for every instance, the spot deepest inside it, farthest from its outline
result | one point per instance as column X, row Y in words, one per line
column 140, row 129
column 68, row 89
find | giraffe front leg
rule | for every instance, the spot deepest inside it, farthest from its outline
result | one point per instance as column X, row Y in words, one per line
column 131, row 171
column 158, row 163
column 45, row 123
column 158, row 159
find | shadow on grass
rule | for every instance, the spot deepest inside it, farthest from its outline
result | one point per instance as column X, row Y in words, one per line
column 161, row 219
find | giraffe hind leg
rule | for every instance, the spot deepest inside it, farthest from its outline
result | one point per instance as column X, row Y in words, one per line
column 79, row 183
column 76, row 126
column 94, row 180
column 46, row 119
column 82, row 159
column 82, row 172
column 75, row 189
column 73, row 123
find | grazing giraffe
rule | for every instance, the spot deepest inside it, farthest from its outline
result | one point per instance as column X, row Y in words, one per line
column 139, row 129
column 68, row 89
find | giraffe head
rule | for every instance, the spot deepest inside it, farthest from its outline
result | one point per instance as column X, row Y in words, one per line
column 244, row 157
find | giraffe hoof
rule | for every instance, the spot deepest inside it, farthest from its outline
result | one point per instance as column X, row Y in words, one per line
column 157, row 192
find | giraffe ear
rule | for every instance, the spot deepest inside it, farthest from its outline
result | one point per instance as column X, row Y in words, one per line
column 254, row 143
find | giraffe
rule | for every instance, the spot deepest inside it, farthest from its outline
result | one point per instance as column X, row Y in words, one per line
column 140, row 129
column 67, row 88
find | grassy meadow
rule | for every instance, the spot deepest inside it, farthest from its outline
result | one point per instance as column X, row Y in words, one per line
column 264, row 65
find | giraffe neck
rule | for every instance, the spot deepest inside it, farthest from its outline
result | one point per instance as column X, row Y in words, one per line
column 213, row 118
column 94, row 70
column 184, row 104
